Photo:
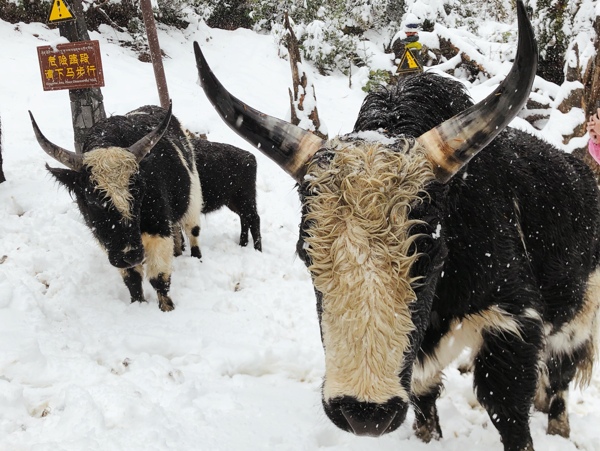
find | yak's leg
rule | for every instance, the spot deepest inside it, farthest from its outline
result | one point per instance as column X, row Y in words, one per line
column 191, row 220
column 570, row 355
column 161, row 283
column 250, row 221
column 159, row 256
column 191, row 224
column 244, row 231
column 244, row 205
column 133, row 281
column 553, row 386
column 569, row 359
column 561, row 370
column 427, row 422
column 193, row 234
column 541, row 401
column 505, row 377
column 255, row 230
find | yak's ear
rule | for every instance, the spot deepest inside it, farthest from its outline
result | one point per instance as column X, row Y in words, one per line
column 67, row 177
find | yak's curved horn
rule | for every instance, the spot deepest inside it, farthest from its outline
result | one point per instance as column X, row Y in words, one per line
column 70, row 159
column 144, row 145
column 290, row 146
column 451, row 145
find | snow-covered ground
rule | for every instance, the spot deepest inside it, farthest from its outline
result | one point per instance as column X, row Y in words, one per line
column 238, row 364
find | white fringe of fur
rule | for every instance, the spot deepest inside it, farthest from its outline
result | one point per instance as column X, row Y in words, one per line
column 111, row 169
column 359, row 244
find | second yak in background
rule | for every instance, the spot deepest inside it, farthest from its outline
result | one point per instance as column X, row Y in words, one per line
column 228, row 179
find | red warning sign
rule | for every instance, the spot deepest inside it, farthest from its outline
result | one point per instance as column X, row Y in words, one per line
column 75, row 65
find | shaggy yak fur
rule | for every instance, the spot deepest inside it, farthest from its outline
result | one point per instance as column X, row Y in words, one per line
column 133, row 207
column 228, row 178
column 432, row 228
column 502, row 259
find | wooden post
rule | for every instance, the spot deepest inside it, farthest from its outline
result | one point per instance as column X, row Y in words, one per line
column 159, row 72
column 87, row 105
column 591, row 80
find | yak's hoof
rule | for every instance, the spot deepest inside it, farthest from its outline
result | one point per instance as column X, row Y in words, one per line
column 140, row 300
column 165, row 303
column 559, row 426
column 196, row 252
column 528, row 447
column 427, row 431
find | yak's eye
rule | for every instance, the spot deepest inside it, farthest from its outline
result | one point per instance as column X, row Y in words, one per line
column 95, row 201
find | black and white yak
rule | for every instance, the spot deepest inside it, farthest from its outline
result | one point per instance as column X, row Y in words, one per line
column 135, row 183
column 420, row 245
column 228, row 178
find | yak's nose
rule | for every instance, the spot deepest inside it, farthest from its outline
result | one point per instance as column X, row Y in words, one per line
column 368, row 418
column 127, row 259
column 134, row 257
column 133, row 260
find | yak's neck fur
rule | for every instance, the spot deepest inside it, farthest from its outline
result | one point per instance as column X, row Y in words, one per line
column 359, row 243
column 111, row 170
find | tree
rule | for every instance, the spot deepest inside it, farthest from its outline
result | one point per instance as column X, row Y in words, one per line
column 230, row 15
column 302, row 108
column 87, row 105
column 552, row 39
column 591, row 77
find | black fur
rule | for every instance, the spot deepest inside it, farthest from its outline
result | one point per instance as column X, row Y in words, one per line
column 160, row 189
column 520, row 228
column 228, row 178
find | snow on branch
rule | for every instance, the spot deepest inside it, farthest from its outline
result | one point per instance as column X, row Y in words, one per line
column 303, row 101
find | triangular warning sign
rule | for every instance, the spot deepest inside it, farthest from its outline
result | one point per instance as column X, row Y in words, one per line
column 409, row 63
column 60, row 12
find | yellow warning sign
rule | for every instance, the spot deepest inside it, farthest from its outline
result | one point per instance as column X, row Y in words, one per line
column 409, row 63
column 60, row 12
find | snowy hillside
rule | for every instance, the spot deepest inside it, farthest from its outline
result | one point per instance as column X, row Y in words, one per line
column 238, row 364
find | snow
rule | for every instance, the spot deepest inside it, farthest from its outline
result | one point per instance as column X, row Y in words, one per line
column 238, row 364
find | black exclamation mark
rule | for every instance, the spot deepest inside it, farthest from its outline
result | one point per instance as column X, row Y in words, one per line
column 58, row 6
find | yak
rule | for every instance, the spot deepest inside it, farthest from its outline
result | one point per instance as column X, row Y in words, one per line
column 433, row 228
column 135, row 183
column 228, row 178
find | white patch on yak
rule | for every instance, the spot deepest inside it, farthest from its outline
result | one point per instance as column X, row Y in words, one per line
column 463, row 333
column 359, row 244
column 159, row 254
column 582, row 330
column 111, row 169
column 196, row 200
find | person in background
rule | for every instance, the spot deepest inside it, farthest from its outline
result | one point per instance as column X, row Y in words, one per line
column 593, row 128
column 407, row 38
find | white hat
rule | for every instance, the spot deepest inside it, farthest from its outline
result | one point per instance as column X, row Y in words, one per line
column 411, row 21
